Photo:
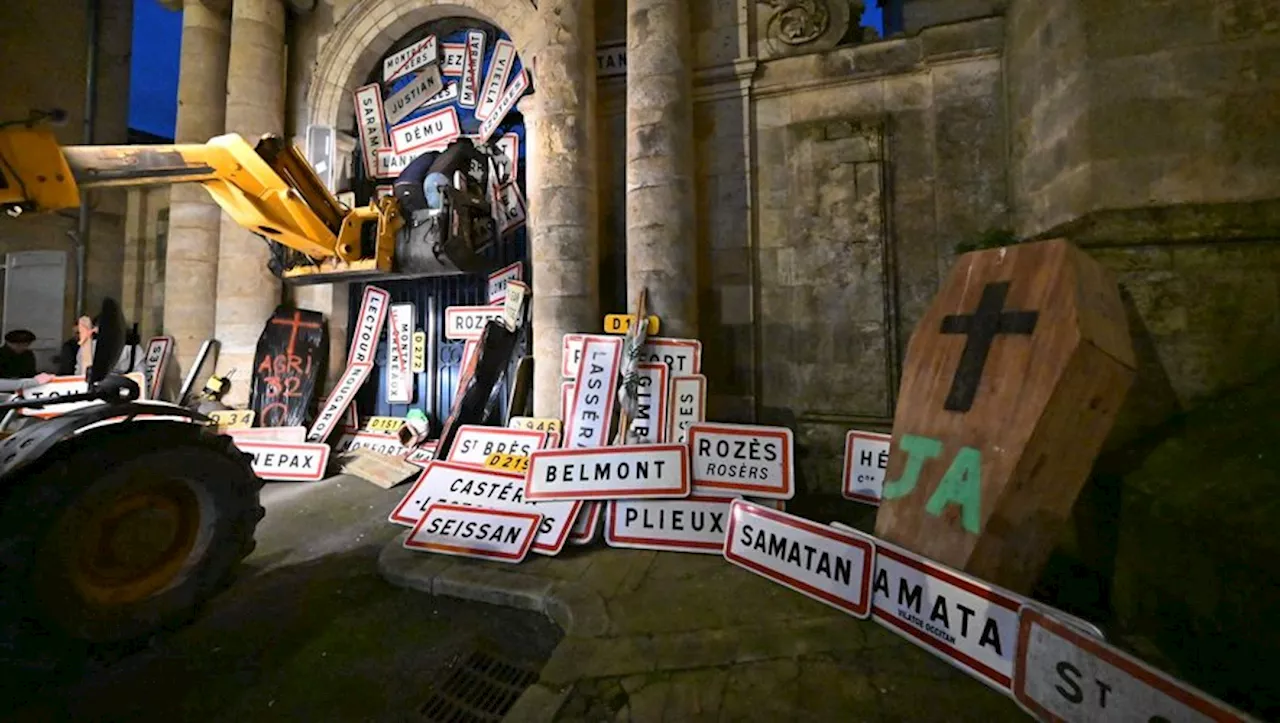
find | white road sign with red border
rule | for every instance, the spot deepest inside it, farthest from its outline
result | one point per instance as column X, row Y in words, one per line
column 742, row 459
column 682, row 356
column 497, row 287
column 286, row 462
column 637, row 471
column 503, row 535
column 650, row 422
column 831, row 566
column 474, row 443
column 687, row 405
column 590, row 415
column 692, row 524
column 468, row 322
column 866, row 456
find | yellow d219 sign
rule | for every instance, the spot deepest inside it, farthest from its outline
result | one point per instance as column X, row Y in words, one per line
column 621, row 324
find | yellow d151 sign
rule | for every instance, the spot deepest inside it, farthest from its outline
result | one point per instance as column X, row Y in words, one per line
column 621, row 324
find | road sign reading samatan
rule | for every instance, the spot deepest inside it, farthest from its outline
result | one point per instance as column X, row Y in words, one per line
column 461, row 484
column 831, row 566
column 644, row 471
column 503, row 535
column 742, row 459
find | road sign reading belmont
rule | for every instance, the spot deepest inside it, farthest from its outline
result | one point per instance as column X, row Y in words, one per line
column 741, row 459
column 474, row 443
column 503, row 535
column 831, row 566
column 286, row 462
column 461, row 484
column 1063, row 676
column 866, row 455
column 468, row 322
column 637, row 471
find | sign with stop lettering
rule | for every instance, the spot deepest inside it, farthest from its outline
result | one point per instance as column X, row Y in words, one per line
column 866, row 455
column 742, row 459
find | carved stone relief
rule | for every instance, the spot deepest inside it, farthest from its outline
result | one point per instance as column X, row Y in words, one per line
column 797, row 27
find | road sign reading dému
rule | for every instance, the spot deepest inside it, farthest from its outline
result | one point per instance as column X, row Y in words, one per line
column 1063, row 676
column 741, row 459
column 477, row 487
column 503, row 535
column 831, row 566
column 637, row 471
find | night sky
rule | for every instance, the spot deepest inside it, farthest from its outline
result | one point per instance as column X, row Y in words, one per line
column 153, row 79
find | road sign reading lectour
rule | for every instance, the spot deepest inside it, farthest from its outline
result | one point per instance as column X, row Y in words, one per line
column 1062, row 676
column 1012, row 380
column 635, row 471
column 831, row 566
column 732, row 459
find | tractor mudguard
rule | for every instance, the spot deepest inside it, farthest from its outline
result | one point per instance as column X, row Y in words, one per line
column 32, row 443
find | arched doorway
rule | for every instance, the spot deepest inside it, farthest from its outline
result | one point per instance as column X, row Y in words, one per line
column 481, row 76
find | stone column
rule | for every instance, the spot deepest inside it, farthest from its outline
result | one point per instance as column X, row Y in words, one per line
column 191, row 254
column 661, row 232
column 247, row 292
column 560, row 125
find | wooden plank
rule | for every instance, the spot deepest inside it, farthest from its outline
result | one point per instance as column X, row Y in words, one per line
column 1013, row 379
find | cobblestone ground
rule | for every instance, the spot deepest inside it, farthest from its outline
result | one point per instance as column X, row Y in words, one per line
column 684, row 637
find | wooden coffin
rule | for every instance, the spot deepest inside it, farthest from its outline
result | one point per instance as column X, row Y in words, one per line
column 1011, row 383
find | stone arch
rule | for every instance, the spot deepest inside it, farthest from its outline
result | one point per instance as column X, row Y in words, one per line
column 371, row 27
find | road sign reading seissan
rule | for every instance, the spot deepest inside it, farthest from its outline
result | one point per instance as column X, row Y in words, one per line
column 468, row 322
column 742, row 459
column 692, row 524
column 461, row 484
column 1063, row 676
column 474, row 443
column 286, row 462
column 590, row 415
column 643, row 471
column 831, row 566
column 650, row 422
column 687, row 405
column 866, row 456
column 503, row 535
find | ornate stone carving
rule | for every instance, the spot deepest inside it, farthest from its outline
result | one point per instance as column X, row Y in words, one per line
column 793, row 27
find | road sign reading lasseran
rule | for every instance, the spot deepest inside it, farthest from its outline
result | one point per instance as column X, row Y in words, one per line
column 1063, row 676
column 831, row 566
column 502, row 535
column 742, row 459
column 637, row 471
column 866, row 455
column 462, row 484
column 589, row 417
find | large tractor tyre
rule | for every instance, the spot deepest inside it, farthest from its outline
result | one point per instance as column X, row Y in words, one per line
column 118, row 536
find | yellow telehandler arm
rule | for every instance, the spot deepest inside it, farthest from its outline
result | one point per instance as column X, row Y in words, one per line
column 270, row 190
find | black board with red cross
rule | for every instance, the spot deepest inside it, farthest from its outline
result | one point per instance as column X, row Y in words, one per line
column 288, row 366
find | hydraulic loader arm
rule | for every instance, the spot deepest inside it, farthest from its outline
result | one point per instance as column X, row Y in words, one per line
column 270, row 190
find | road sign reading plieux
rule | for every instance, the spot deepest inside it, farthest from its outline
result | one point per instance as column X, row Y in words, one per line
column 1062, row 676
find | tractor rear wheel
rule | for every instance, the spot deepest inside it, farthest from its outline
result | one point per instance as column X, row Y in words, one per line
column 117, row 536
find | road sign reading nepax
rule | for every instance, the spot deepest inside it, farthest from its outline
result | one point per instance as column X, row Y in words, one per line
column 503, row 535
column 286, row 462
column 741, row 459
column 1062, row 676
column 635, row 471
column 1012, row 381
column 829, row 565
column 461, row 484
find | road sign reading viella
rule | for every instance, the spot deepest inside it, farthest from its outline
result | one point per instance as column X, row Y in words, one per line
column 637, row 471
column 503, row 535
column 1061, row 676
column 831, row 566
column 732, row 459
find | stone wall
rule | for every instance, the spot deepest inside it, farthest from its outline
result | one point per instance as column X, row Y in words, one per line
column 44, row 75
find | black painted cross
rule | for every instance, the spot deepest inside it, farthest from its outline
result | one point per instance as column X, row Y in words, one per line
column 981, row 327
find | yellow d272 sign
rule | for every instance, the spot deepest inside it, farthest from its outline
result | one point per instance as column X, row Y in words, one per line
column 621, row 324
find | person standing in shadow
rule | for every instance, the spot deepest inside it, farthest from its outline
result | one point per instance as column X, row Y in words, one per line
column 17, row 361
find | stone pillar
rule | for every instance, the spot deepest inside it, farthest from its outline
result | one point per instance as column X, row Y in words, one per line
column 247, row 292
column 661, row 232
column 191, row 256
column 560, row 125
